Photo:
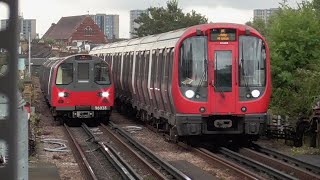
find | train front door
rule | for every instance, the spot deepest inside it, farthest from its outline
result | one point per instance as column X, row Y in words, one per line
column 222, row 91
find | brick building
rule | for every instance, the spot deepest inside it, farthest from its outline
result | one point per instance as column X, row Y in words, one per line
column 75, row 29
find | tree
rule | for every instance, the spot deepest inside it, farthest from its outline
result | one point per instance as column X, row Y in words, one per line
column 294, row 40
column 260, row 25
column 316, row 5
column 159, row 19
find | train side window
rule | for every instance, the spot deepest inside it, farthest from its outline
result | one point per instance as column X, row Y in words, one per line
column 142, row 63
column 136, row 70
column 130, row 74
column 125, row 73
column 64, row 74
column 164, row 70
column 142, row 80
column 156, row 70
column 159, row 76
column 153, row 70
column 130, row 65
column 119, row 70
column 146, row 74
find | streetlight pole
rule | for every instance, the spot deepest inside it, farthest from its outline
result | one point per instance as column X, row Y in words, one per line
column 30, row 55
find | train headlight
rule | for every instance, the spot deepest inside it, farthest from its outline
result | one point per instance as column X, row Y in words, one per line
column 105, row 94
column 189, row 94
column 255, row 93
column 61, row 94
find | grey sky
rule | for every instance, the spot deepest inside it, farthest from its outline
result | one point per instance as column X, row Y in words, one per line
column 50, row 11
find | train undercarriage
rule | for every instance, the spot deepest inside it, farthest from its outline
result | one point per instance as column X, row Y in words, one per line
column 181, row 127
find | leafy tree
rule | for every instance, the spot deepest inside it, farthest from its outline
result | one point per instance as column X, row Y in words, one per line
column 260, row 25
column 316, row 5
column 159, row 19
column 294, row 41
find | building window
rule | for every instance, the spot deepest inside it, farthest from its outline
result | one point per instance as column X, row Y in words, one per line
column 88, row 31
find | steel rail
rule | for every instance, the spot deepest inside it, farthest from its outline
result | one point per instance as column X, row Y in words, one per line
column 288, row 159
column 153, row 170
column 165, row 165
column 80, row 157
column 126, row 171
column 278, row 164
column 253, row 163
column 243, row 173
column 122, row 167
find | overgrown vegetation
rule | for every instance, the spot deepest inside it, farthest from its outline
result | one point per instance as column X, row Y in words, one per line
column 294, row 40
column 159, row 19
column 295, row 151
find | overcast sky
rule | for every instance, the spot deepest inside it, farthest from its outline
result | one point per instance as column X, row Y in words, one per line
column 50, row 11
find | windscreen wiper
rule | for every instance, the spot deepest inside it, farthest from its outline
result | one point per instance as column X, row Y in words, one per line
column 202, row 77
column 243, row 71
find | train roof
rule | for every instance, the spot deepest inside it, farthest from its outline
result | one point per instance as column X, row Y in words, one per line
column 167, row 39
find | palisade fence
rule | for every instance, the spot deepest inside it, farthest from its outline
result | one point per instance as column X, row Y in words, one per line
column 304, row 132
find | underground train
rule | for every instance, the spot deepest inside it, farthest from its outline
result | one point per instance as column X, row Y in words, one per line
column 205, row 80
column 78, row 86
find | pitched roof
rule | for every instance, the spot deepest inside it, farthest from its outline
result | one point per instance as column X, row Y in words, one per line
column 64, row 28
column 49, row 30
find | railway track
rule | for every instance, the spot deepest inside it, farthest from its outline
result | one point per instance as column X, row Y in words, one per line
column 124, row 158
column 97, row 160
column 259, row 162
column 238, row 170
column 162, row 169
column 287, row 159
column 255, row 162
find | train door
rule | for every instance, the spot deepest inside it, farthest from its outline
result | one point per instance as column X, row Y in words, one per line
column 222, row 58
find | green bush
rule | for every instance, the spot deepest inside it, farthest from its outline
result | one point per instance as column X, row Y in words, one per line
column 294, row 40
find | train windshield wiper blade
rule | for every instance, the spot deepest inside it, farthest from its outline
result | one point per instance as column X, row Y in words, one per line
column 203, row 76
column 244, row 75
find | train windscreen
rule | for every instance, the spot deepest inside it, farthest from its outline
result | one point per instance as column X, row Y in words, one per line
column 252, row 55
column 64, row 74
column 101, row 74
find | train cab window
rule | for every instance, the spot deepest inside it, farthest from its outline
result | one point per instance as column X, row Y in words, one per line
column 193, row 62
column 193, row 68
column 252, row 62
column 101, row 74
column 83, row 72
column 64, row 74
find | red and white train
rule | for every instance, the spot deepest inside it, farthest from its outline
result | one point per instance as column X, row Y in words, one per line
column 78, row 86
column 207, row 79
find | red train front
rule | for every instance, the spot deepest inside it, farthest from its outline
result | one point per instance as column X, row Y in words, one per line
column 224, row 82
column 78, row 86
column 207, row 79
